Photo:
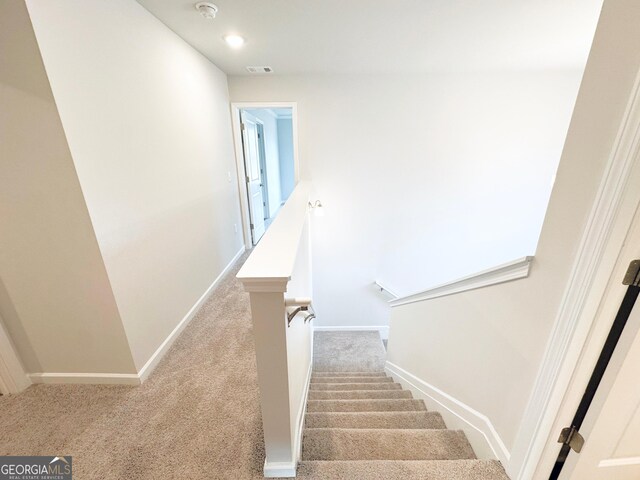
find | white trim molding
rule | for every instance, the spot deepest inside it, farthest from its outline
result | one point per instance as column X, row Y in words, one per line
column 87, row 378
column 506, row 272
column 481, row 433
column 303, row 410
column 572, row 324
column 383, row 329
column 619, row 462
column 154, row 360
column 236, row 107
column 164, row 347
column 280, row 469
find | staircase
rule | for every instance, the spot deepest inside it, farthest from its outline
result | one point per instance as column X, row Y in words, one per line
column 365, row 426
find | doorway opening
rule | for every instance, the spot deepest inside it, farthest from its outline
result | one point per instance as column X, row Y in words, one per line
column 267, row 163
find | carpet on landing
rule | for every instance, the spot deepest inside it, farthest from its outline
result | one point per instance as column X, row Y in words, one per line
column 359, row 351
column 197, row 416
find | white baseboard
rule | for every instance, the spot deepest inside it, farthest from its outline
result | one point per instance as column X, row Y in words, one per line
column 145, row 371
column 384, row 330
column 457, row 415
column 87, row 378
column 152, row 363
column 280, row 469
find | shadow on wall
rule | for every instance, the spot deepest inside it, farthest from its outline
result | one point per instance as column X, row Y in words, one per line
column 17, row 333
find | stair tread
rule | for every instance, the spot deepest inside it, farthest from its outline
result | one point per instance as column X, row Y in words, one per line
column 380, row 444
column 408, row 420
column 356, row 379
column 358, row 394
column 349, row 374
column 365, row 405
column 402, row 470
column 355, row 386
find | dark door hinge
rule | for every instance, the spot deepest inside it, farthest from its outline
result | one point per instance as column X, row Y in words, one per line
column 571, row 437
column 632, row 277
column 252, row 226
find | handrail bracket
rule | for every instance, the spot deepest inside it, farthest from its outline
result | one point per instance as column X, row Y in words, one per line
column 301, row 308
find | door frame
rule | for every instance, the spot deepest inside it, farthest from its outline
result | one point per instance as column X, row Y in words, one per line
column 240, row 168
column 607, row 375
column 261, row 152
column 584, row 318
column 263, row 169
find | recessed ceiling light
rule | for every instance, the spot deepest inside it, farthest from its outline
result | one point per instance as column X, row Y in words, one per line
column 234, row 41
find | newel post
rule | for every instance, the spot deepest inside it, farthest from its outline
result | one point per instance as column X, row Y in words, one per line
column 270, row 334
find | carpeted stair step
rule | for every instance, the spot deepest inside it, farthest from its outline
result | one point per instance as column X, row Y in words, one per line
column 379, row 444
column 348, row 374
column 392, row 405
column 351, row 380
column 402, row 470
column 411, row 420
column 358, row 394
column 355, row 386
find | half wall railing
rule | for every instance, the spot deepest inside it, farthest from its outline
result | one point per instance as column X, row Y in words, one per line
column 277, row 276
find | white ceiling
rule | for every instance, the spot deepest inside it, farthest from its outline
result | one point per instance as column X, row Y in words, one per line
column 386, row 36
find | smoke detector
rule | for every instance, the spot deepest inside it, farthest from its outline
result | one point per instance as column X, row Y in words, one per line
column 259, row 69
column 207, row 10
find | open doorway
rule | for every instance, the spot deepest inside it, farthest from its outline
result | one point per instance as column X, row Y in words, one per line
column 267, row 166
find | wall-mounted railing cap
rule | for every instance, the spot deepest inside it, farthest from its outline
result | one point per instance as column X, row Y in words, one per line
column 505, row 272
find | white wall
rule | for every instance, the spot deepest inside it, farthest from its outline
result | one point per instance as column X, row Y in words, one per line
column 285, row 148
column 484, row 347
column 424, row 178
column 55, row 297
column 147, row 121
column 272, row 156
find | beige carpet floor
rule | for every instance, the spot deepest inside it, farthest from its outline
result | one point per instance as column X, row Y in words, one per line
column 361, row 351
column 356, row 427
column 196, row 417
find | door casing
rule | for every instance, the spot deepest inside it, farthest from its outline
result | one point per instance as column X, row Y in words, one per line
column 255, row 181
column 584, row 323
column 236, row 107
column 263, row 171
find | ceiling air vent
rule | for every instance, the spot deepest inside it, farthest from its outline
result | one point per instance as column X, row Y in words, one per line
column 259, row 69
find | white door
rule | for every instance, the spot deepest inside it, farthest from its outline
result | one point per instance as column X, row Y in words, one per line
column 612, row 447
column 251, row 145
column 612, row 425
